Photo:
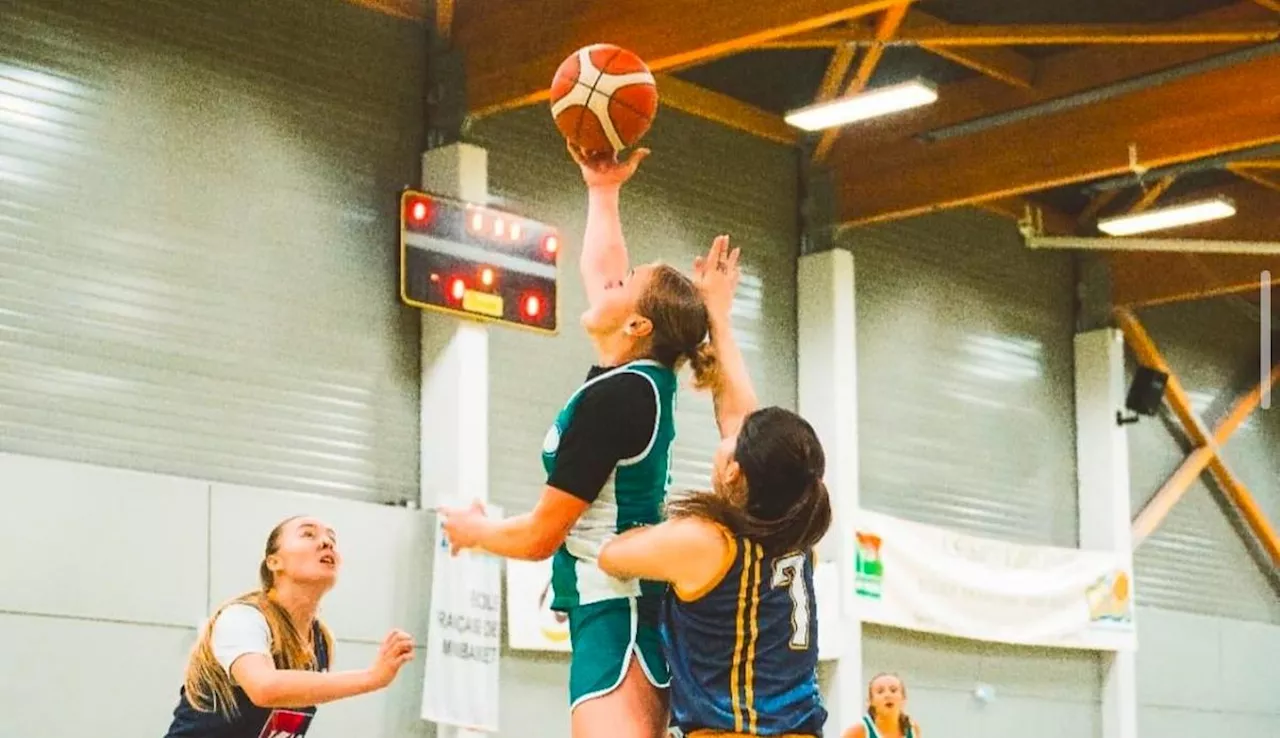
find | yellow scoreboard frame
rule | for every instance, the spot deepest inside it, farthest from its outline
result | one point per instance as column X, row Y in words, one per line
column 476, row 262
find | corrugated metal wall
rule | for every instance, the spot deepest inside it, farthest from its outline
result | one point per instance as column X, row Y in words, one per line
column 966, row 419
column 965, row 399
column 1196, row 560
column 701, row 180
column 197, row 230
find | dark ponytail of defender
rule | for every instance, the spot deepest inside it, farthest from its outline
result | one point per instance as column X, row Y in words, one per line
column 781, row 501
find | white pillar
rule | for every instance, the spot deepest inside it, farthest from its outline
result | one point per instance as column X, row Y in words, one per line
column 1102, row 462
column 455, row 371
column 828, row 379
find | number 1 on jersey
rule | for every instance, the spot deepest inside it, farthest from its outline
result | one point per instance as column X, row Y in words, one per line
column 788, row 571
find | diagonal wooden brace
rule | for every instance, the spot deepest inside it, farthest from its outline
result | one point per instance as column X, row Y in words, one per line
column 1208, row 445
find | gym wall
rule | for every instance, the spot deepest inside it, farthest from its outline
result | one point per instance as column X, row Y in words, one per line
column 1210, row 616
column 701, row 180
column 197, row 240
column 966, row 419
column 997, row 322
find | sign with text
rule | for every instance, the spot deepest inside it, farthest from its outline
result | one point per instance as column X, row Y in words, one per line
column 463, row 638
column 927, row 578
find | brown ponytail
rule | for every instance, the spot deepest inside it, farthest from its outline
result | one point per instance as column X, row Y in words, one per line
column 705, row 365
column 680, row 323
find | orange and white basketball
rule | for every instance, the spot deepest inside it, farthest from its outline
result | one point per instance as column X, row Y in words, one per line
column 603, row 98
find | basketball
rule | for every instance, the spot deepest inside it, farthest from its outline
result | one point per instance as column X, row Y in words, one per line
column 603, row 98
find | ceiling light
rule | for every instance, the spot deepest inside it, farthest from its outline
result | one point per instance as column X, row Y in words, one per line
column 871, row 104
column 1187, row 213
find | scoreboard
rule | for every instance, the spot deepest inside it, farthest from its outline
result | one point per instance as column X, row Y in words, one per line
column 477, row 262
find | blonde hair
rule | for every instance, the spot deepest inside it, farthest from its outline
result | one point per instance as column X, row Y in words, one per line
column 208, row 686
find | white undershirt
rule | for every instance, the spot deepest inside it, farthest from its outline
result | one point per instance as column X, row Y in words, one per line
column 238, row 630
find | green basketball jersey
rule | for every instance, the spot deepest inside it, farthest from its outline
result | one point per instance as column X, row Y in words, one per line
column 632, row 496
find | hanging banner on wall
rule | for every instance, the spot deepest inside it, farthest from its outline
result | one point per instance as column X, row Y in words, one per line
column 533, row 626
column 531, row 623
column 923, row 577
column 463, row 637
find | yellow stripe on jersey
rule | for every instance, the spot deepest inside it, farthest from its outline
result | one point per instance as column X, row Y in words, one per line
column 737, row 647
column 755, row 636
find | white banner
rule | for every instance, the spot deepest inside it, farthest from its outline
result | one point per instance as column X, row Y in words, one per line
column 464, row 637
column 923, row 577
column 533, row 626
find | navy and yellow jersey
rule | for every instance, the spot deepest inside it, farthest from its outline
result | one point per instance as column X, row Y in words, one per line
column 744, row 652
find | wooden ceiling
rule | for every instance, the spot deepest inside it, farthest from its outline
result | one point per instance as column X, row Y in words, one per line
column 1040, row 101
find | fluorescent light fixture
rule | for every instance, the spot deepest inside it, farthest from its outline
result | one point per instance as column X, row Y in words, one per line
column 871, row 104
column 1187, row 213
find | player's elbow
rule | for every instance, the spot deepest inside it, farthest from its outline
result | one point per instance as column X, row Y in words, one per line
column 262, row 691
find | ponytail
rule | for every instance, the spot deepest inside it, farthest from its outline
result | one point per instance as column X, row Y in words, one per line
column 705, row 365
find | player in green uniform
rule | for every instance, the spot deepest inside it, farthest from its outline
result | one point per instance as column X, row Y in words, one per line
column 886, row 716
column 607, row 457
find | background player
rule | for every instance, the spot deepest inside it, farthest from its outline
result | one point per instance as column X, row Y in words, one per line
column 886, row 717
column 740, row 627
column 261, row 664
column 607, row 457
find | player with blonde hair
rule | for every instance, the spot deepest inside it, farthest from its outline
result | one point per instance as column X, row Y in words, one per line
column 261, row 664
column 607, row 458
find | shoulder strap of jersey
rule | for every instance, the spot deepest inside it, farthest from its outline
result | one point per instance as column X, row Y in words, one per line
column 870, row 726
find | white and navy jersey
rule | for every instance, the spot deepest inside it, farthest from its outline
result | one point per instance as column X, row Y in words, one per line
column 240, row 629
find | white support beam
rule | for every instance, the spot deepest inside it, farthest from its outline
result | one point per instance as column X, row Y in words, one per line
column 455, row 372
column 1102, row 463
column 828, row 380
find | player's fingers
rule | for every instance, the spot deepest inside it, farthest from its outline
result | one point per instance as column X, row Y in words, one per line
column 733, row 258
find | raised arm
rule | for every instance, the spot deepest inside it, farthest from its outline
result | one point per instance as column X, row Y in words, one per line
column 716, row 275
column 604, row 262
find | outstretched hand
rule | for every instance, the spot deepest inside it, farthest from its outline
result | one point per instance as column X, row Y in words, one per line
column 606, row 170
column 716, row 276
column 463, row 526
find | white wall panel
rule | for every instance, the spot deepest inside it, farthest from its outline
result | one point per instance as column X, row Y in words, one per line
column 384, row 582
column 92, row 542
column 389, row 713
column 65, row 678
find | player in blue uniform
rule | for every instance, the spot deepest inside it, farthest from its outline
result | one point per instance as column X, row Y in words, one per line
column 739, row 628
column 261, row 665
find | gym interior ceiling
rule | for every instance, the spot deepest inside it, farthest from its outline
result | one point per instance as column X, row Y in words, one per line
column 1080, row 110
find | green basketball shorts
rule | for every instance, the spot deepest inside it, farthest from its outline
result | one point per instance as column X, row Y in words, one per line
column 606, row 636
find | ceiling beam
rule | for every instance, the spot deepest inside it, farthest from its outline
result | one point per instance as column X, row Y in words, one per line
column 512, row 49
column 728, row 111
column 1089, row 34
column 1005, row 65
column 1273, row 5
column 1057, row 76
column 1199, row 116
column 1014, row 208
column 407, row 9
column 1145, row 278
column 886, row 27
column 1256, row 176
